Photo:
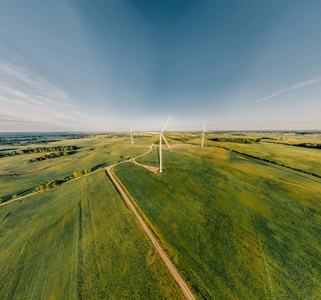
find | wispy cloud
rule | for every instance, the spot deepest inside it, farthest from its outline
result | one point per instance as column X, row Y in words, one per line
column 293, row 87
column 155, row 99
column 27, row 97
column 107, row 69
column 130, row 95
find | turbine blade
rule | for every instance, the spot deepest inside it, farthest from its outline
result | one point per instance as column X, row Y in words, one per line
column 166, row 123
column 166, row 142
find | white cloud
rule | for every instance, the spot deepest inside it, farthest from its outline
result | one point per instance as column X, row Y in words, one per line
column 28, row 97
column 293, row 87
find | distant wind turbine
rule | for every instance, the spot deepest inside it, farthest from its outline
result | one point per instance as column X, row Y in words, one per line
column 203, row 134
column 131, row 135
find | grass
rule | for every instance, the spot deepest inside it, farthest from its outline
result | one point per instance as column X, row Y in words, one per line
column 109, row 151
column 78, row 241
column 308, row 160
column 237, row 228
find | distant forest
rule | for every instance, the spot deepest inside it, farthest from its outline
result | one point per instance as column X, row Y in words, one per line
column 240, row 140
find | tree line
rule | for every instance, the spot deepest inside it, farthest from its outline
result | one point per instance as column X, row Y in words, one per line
column 55, row 183
column 38, row 150
column 240, row 140
column 309, row 145
column 48, row 156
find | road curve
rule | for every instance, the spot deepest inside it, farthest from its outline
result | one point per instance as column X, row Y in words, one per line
column 170, row 266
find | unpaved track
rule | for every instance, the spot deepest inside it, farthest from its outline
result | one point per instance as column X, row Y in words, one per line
column 170, row 266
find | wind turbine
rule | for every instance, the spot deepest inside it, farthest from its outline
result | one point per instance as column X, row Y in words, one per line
column 160, row 145
column 204, row 130
column 131, row 135
column 161, row 135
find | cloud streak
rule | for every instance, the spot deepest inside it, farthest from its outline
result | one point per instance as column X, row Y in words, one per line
column 293, row 87
column 29, row 98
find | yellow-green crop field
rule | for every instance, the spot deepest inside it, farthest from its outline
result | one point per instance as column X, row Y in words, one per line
column 240, row 221
column 236, row 228
column 78, row 241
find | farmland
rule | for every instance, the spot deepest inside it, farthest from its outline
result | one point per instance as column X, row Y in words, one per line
column 78, row 241
column 239, row 220
column 93, row 153
column 236, row 227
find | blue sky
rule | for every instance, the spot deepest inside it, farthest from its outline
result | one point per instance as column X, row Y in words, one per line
column 107, row 65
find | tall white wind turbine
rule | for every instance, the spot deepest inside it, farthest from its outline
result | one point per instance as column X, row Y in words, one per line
column 203, row 134
column 160, row 146
column 161, row 136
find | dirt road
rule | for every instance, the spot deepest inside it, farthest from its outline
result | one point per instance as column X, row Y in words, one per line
column 170, row 266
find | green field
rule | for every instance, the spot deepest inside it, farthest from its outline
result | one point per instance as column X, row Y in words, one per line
column 106, row 151
column 308, row 160
column 236, row 227
column 78, row 241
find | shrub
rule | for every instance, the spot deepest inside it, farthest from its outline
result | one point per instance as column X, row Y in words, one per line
column 77, row 174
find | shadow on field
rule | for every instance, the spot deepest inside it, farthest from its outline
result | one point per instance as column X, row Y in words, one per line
column 157, row 150
column 99, row 166
column 117, row 190
column 19, row 194
column 139, row 139
column 8, row 149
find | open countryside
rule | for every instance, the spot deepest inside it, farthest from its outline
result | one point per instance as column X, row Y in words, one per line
column 224, row 239
column 160, row 150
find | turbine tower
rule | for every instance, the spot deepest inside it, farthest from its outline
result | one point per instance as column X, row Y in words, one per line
column 131, row 135
column 204, row 130
column 161, row 135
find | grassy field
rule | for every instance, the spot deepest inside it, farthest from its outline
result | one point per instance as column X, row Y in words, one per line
column 78, row 241
column 238, row 228
column 107, row 151
column 278, row 151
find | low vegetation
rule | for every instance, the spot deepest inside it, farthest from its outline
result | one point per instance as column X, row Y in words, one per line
column 236, row 218
column 78, row 242
column 56, row 183
column 309, row 145
column 48, row 156
column 61, row 149
column 233, row 225
column 240, row 140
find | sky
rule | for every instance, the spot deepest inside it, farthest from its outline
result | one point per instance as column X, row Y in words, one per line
column 106, row 65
